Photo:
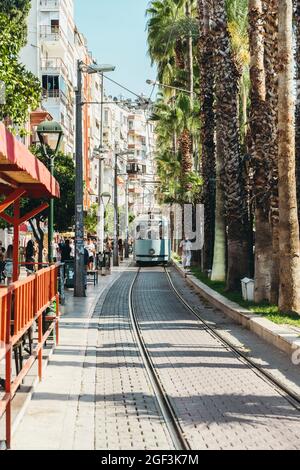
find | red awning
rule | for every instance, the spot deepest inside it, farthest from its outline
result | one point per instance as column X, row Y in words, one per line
column 19, row 169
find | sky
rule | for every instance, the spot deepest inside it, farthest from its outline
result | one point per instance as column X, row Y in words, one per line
column 115, row 30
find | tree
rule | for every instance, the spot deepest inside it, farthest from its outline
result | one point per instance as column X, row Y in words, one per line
column 297, row 112
column 64, row 208
column 228, row 75
column 91, row 220
column 207, row 131
column 289, row 245
column 22, row 88
column 261, row 162
column 271, row 60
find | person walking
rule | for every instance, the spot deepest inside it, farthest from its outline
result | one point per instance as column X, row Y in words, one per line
column 121, row 248
column 2, row 264
column 66, row 251
column 186, row 247
column 92, row 251
column 29, row 257
column 8, row 271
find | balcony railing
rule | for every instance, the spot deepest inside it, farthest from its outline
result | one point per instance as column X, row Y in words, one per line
column 49, row 4
column 51, row 33
column 55, row 64
column 55, row 94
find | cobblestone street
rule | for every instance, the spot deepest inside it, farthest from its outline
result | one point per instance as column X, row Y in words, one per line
column 220, row 403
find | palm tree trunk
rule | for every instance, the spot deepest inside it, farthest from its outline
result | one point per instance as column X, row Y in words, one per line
column 207, row 131
column 227, row 115
column 219, row 261
column 289, row 246
column 186, row 159
column 297, row 112
column 261, row 165
column 270, row 10
column 190, row 54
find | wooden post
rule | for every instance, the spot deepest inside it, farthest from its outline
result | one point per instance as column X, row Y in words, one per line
column 16, row 240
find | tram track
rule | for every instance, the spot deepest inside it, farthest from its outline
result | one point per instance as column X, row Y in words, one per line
column 176, row 433
column 284, row 391
column 173, row 420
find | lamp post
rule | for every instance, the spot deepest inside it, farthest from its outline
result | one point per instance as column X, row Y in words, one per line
column 101, row 70
column 50, row 134
column 156, row 83
column 79, row 290
column 116, row 215
column 126, row 218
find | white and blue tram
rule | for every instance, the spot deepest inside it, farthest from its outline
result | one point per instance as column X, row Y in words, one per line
column 152, row 242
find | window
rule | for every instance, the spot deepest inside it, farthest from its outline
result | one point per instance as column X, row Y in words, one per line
column 54, row 26
column 130, row 125
column 51, row 85
column 106, row 116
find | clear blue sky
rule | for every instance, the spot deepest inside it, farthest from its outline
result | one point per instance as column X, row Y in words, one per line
column 115, row 30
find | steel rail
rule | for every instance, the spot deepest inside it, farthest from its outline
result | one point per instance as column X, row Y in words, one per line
column 177, row 435
column 282, row 389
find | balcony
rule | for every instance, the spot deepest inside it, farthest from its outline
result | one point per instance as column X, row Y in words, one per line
column 54, row 65
column 55, row 95
column 52, row 35
column 49, row 5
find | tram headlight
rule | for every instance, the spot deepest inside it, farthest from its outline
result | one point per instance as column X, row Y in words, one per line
column 151, row 252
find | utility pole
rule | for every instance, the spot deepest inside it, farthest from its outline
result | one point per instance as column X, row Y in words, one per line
column 79, row 290
column 101, row 176
column 126, row 219
column 116, row 214
column 51, row 218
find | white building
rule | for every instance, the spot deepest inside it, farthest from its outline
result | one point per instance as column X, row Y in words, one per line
column 52, row 52
column 50, row 55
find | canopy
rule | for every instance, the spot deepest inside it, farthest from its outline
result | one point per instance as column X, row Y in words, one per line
column 20, row 169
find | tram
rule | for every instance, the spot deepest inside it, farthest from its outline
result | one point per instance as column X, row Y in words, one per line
column 152, row 244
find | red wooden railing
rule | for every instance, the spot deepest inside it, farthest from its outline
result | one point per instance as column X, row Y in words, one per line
column 22, row 304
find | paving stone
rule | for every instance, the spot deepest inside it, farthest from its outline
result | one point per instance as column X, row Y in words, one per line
column 206, row 383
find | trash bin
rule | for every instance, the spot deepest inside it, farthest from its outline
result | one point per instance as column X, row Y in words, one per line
column 70, row 274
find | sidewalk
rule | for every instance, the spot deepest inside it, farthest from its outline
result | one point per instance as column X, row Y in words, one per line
column 50, row 418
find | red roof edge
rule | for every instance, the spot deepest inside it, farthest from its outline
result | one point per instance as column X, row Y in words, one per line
column 17, row 154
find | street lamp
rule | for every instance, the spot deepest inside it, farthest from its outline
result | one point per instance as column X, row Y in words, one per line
column 156, row 83
column 79, row 290
column 104, row 200
column 116, row 215
column 101, row 69
column 50, row 134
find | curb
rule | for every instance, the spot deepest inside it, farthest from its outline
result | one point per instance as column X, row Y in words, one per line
column 279, row 336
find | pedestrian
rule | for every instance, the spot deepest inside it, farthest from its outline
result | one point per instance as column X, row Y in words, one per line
column 72, row 246
column 186, row 247
column 2, row 264
column 29, row 257
column 121, row 248
column 65, row 251
column 92, row 251
column 8, row 271
column 86, row 265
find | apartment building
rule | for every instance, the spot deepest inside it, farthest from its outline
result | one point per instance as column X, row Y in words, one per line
column 50, row 55
column 52, row 52
column 141, row 165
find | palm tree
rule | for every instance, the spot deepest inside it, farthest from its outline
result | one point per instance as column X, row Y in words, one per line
column 297, row 112
column 270, row 9
column 289, row 245
column 228, row 76
column 260, row 161
column 207, row 129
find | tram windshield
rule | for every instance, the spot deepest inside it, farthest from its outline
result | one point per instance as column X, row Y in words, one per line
column 151, row 230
